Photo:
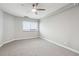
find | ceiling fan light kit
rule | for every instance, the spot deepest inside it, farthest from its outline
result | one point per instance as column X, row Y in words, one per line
column 35, row 8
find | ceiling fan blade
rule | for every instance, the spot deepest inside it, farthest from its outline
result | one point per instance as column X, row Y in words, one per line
column 41, row 9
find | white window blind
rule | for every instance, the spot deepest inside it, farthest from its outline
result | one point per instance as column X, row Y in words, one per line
column 30, row 26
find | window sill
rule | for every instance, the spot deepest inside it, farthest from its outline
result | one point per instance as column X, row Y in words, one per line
column 30, row 31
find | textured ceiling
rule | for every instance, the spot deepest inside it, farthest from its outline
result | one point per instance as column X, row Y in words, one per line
column 25, row 9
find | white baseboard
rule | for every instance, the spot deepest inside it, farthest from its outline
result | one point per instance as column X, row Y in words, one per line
column 6, row 42
column 1, row 45
column 69, row 48
column 14, row 40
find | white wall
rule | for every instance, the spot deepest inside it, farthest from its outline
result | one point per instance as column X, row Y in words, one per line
column 11, row 29
column 1, row 26
column 62, row 28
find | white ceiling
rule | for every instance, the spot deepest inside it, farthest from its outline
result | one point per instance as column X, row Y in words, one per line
column 21, row 10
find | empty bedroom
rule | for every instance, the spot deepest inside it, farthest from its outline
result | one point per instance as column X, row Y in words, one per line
column 39, row 29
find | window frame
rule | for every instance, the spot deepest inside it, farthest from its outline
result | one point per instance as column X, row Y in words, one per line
column 37, row 30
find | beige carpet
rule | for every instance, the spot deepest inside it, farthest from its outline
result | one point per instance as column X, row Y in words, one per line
column 34, row 47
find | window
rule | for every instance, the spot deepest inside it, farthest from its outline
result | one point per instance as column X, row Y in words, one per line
column 30, row 26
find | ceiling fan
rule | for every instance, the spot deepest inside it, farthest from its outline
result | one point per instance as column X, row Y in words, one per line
column 35, row 8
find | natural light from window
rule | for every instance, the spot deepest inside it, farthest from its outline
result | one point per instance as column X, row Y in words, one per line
column 30, row 26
